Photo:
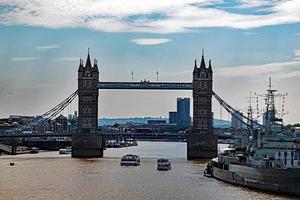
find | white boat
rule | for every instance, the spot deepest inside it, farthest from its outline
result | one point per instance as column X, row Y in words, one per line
column 67, row 150
column 130, row 160
column 34, row 150
column 163, row 164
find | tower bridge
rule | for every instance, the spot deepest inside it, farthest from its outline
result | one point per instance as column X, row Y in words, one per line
column 87, row 140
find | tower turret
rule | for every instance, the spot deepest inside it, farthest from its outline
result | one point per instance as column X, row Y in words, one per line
column 88, row 64
column 195, row 67
column 209, row 71
column 202, row 65
column 80, row 69
column 209, row 66
column 95, row 71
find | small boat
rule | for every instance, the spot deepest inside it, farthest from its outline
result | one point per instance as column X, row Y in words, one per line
column 34, row 150
column 67, row 150
column 163, row 164
column 117, row 145
column 130, row 160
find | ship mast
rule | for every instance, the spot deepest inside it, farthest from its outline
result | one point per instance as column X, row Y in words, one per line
column 250, row 110
column 269, row 97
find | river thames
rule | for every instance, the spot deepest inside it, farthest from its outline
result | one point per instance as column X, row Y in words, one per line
column 48, row 175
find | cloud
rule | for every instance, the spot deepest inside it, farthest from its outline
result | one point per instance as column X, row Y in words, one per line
column 150, row 41
column 250, row 33
column 256, row 3
column 168, row 16
column 20, row 59
column 278, row 70
column 46, row 47
column 297, row 54
column 66, row 59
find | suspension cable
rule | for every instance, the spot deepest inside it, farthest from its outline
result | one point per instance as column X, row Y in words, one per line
column 234, row 112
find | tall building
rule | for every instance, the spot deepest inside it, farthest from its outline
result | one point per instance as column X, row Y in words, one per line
column 88, row 77
column 87, row 142
column 236, row 122
column 202, row 143
column 202, row 95
column 172, row 117
column 60, row 124
column 183, row 119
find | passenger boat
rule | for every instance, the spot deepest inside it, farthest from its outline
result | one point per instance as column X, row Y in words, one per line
column 67, row 150
column 163, row 164
column 34, row 150
column 130, row 160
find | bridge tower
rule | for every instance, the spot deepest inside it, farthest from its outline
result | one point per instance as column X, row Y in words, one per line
column 201, row 141
column 87, row 142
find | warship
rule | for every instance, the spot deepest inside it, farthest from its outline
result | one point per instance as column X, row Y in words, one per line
column 270, row 161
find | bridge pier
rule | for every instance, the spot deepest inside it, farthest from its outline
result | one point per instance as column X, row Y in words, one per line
column 14, row 149
column 201, row 146
column 87, row 145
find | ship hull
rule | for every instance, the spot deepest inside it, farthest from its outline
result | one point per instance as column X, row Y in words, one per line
column 286, row 181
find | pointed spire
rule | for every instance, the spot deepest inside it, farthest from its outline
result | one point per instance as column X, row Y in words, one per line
column 88, row 64
column 80, row 65
column 195, row 67
column 95, row 67
column 209, row 66
column 202, row 65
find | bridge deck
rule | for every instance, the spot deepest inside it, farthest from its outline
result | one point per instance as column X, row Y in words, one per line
column 146, row 85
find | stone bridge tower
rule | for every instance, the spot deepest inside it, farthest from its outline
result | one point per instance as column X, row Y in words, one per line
column 87, row 141
column 201, row 141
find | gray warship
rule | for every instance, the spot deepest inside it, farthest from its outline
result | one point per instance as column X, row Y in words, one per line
column 270, row 161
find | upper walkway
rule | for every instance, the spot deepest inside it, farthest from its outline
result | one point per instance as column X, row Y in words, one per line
column 144, row 85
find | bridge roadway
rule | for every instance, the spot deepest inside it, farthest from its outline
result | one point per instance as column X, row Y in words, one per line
column 106, row 135
column 146, row 85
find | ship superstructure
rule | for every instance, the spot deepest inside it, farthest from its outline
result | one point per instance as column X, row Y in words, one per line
column 271, row 160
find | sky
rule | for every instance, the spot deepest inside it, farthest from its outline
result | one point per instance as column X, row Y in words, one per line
column 248, row 41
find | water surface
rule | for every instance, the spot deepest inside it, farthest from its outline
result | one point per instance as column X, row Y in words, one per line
column 48, row 175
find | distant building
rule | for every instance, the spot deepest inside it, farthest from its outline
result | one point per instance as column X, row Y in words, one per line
column 297, row 132
column 236, row 122
column 73, row 121
column 156, row 121
column 61, row 124
column 183, row 118
column 172, row 117
column 20, row 119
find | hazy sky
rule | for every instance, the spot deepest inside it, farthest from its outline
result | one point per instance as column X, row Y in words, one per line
column 41, row 42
